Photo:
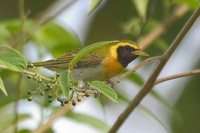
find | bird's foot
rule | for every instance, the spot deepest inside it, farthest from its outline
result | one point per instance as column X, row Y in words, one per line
column 110, row 82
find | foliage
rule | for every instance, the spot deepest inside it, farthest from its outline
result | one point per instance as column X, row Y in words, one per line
column 55, row 40
column 93, row 5
column 2, row 87
column 104, row 89
column 87, row 119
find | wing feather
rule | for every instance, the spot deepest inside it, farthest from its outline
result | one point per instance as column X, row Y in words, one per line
column 89, row 60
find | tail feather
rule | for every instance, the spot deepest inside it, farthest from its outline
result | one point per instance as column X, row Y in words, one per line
column 53, row 64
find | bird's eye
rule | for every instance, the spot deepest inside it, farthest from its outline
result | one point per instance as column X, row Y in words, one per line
column 129, row 48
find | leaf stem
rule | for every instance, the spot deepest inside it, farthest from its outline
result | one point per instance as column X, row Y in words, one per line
column 44, row 127
column 135, row 68
column 178, row 75
column 41, row 76
column 18, row 91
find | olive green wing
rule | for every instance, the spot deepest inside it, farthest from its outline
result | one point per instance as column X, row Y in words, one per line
column 62, row 63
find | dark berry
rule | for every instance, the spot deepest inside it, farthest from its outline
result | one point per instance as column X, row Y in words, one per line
column 87, row 95
column 29, row 77
column 30, row 99
column 73, row 103
column 66, row 102
column 29, row 93
column 49, row 96
column 62, row 104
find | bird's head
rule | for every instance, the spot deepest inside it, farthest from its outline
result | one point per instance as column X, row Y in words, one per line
column 126, row 51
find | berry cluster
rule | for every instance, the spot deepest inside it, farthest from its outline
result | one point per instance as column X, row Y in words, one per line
column 51, row 90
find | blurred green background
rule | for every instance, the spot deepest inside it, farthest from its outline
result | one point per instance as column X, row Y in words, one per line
column 110, row 20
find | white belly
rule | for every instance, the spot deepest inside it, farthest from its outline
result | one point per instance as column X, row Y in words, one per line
column 88, row 74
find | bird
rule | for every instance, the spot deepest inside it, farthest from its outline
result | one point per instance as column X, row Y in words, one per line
column 101, row 64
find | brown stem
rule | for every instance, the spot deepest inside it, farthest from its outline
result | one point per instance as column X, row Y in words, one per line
column 22, row 12
column 179, row 75
column 22, row 16
column 128, row 73
column 41, row 76
column 17, row 103
column 44, row 127
column 48, row 15
column 150, row 82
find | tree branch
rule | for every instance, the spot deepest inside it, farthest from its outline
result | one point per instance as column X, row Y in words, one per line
column 44, row 127
column 150, row 82
column 179, row 75
column 128, row 73
column 48, row 15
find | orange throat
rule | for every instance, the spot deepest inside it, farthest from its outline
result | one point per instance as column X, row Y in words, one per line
column 111, row 68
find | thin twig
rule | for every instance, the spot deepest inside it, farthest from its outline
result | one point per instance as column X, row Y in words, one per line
column 41, row 76
column 135, row 68
column 150, row 82
column 147, row 40
column 178, row 75
column 46, row 17
column 42, row 20
column 52, row 118
column 22, row 12
column 22, row 16
column 17, row 104
column 62, row 111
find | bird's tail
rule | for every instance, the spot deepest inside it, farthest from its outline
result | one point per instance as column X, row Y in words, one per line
column 55, row 65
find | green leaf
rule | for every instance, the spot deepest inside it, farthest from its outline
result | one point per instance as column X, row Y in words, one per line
column 11, row 59
column 141, row 7
column 105, row 89
column 12, row 26
column 161, row 99
column 191, row 3
column 8, row 28
column 56, row 39
column 93, row 5
column 142, row 108
column 24, row 131
column 4, row 34
column 133, row 26
column 161, row 44
column 88, row 49
column 139, row 81
column 62, row 80
column 6, row 121
column 87, row 119
column 2, row 87
column 123, row 98
column 147, row 111
column 136, row 78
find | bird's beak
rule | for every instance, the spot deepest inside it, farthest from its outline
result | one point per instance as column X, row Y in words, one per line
column 140, row 53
